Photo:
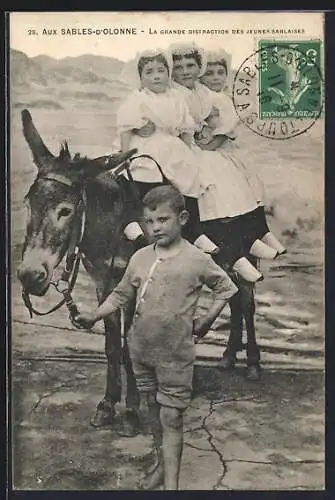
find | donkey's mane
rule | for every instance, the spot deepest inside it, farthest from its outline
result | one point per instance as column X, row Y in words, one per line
column 64, row 154
column 78, row 157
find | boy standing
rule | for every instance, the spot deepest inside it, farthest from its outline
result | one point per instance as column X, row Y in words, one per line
column 166, row 279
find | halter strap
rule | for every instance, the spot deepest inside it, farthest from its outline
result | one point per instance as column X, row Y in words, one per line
column 73, row 256
column 57, row 177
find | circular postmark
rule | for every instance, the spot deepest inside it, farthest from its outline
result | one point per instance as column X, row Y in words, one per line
column 277, row 90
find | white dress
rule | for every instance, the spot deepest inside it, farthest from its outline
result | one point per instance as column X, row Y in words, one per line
column 170, row 114
column 225, row 191
column 228, row 124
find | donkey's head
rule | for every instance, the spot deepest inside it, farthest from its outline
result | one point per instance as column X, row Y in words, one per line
column 55, row 206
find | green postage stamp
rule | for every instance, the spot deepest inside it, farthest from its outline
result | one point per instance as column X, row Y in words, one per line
column 290, row 83
column 278, row 89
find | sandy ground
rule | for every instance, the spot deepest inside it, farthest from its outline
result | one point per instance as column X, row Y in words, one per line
column 238, row 435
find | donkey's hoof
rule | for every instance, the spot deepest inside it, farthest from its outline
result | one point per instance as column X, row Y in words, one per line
column 104, row 416
column 227, row 362
column 130, row 424
column 254, row 372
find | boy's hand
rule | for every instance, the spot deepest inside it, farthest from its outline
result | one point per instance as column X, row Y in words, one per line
column 87, row 320
column 147, row 130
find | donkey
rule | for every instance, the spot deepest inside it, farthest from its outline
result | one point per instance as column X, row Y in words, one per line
column 77, row 200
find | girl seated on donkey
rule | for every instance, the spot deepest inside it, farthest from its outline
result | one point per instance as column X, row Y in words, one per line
column 156, row 121
column 220, row 133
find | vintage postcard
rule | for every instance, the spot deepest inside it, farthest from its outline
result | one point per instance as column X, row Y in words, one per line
column 166, row 184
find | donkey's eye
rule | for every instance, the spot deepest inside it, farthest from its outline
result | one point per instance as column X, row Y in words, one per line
column 64, row 212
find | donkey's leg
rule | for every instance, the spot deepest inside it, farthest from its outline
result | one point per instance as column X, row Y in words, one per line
column 253, row 352
column 132, row 396
column 234, row 344
column 113, row 353
column 106, row 408
column 236, row 323
column 131, row 422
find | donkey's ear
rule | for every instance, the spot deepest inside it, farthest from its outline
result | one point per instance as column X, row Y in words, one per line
column 41, row 154
column 64, row 153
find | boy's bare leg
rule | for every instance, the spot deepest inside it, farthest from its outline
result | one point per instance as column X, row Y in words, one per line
column 172, row 426
column 150, row 408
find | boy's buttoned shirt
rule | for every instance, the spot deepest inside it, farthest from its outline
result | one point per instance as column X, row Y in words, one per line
column 166, row 293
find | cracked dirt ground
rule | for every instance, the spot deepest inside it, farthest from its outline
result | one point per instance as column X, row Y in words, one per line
column 238, row 434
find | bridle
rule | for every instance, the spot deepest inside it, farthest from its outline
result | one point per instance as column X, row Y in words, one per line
column 67, row 281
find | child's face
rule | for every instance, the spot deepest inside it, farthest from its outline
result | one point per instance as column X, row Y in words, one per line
column 186, row 71
column 155, row 77
column 215, row 77
column 164, row 225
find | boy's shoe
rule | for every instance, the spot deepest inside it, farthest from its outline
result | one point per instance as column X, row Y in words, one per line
column 104, row 415
column 262, row 250
column 270, row 239
column 247, row 271
column 206, row 245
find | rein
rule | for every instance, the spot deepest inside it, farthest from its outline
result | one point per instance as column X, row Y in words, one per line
column 67, row 298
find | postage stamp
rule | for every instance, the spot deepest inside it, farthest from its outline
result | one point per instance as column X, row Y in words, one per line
column 290, row 83
column 278, row 89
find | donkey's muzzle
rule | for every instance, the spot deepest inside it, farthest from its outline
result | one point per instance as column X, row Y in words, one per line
column 33, row 280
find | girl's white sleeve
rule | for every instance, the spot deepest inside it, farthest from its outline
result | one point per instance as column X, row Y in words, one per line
column 228, row 117
column 129, row 114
